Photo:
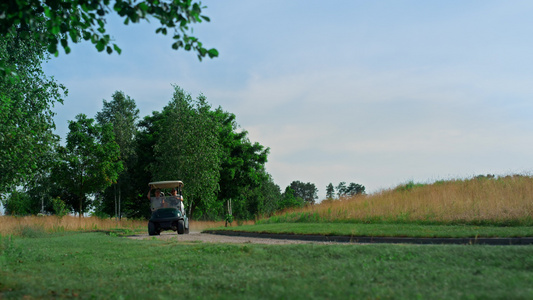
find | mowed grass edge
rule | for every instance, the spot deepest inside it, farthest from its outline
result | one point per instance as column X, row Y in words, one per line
column 385, row 230
column 96, row 265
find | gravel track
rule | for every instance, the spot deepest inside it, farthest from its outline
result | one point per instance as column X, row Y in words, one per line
column 196, row 236
column 280, row 239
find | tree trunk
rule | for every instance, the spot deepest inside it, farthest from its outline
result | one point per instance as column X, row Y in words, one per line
column 116, row 214
column 190, row 209
column 81, row 195
column 119, row 212
column 81, row 201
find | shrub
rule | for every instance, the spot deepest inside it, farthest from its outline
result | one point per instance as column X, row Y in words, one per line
column 60, row 208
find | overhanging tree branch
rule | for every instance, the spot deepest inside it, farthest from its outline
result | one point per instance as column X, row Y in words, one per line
column 73, row 21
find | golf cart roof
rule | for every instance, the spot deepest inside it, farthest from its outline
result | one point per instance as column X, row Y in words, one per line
column 166, row 184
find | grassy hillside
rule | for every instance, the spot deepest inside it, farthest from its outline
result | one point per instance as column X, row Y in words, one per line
column 477, row 201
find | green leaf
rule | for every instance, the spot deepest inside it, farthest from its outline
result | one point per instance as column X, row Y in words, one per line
column 100, row 46
column 47, row 12
column 119, row 51
column 52, row 48
column 196, row 10
column 212, row 53
column 74, row 35
column 86, row 35
column 55, row 29
column 142, row 6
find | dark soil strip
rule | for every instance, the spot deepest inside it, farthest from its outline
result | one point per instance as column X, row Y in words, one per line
column 367, row 239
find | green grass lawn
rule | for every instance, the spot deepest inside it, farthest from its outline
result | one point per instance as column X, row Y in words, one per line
column 97, row 265
column 388, row 230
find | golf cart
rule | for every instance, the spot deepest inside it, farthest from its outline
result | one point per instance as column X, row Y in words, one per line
column 168, row 212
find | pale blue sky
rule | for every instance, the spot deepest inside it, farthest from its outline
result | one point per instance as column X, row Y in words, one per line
column 373, row 92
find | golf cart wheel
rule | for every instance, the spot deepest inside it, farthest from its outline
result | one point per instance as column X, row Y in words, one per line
column 151, row 229
column 187, row 226
column 181, row 227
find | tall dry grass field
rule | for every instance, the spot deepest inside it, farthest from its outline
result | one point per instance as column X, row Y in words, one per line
column 506, row 200
column 14, row 225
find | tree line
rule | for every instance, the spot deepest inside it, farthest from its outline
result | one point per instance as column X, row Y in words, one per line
column 106, row 161
column 344, row 190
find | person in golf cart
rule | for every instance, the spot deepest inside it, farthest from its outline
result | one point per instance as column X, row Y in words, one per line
column 179, row 198
column 168, row 212
column 174, row 200
column 159, row 196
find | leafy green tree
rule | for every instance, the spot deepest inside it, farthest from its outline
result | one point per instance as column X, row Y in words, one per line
column 341, row 189
column 355, row 189
column 289, row 199
column 123, row 114
column 187, row 148
column 349, row 190
column 33, row 198
column 40, row 190
column 183, row 139
column 27, row 139
column 330, row 191
column 89, row 163
column 147, row 135
column 76, row 20
column 19, row 204
column 306, row 191
column 60, row 208
column 242, row 170
column 271, row 193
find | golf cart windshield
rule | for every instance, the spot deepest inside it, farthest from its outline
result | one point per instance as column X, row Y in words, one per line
column 164, row 202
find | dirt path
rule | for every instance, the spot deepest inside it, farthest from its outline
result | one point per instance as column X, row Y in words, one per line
column 280, row 239
column 196, row 236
